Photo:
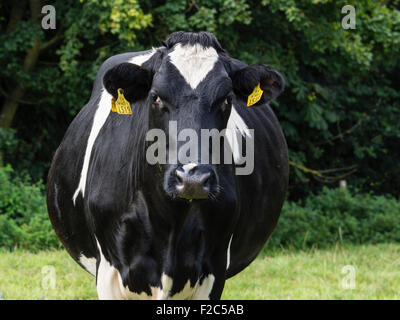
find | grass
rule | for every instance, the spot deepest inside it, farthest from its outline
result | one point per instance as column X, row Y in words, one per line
column 320, row 274
column 307, row 274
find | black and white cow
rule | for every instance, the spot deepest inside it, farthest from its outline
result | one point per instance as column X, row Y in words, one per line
column 172, row 230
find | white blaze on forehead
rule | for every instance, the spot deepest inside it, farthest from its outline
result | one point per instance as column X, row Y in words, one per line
column 187, row 167
column 100, row 117
column 193, row 62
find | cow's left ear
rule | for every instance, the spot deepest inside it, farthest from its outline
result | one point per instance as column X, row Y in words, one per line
column 246, row 80
column 134, row 80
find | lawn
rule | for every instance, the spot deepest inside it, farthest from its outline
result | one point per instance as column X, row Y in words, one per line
column 355, row 272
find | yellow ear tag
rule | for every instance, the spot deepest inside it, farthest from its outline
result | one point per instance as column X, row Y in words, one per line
column 255, row 96
column 113, row 107
column 122, row 106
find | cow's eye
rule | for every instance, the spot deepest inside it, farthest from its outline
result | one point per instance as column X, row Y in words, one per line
column 226, row 104
column 157, row 102
column 154, row 97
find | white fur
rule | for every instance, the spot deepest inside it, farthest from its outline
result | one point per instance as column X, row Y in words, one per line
column 228, row 254
column 88, row 263
column 203, row 291
column 139, row 60
column 99, row 119
column 236, row 127
column 187, row 167
column 193, row 62
column 108, row 280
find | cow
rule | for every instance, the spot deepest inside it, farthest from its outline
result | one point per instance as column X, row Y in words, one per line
column 169, row 230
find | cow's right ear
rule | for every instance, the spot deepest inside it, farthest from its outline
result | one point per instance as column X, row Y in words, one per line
column 134, row 80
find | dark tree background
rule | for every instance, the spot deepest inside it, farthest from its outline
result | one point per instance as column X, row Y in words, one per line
column 340, row 111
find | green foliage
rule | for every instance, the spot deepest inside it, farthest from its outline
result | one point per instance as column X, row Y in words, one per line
column 21, row 153
column 24, row 222
column 338, row 215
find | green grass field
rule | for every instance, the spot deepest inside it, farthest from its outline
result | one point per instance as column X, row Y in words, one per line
column 309, row 274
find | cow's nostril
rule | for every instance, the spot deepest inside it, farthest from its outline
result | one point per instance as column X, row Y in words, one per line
column 206, row 179
column 194, row 182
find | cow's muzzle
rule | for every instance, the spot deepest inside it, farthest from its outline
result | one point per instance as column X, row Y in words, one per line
column 192, row 181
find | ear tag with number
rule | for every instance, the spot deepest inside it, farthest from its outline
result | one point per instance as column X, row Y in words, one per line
column 121, row 105
column 255, row 96
column 113, row 107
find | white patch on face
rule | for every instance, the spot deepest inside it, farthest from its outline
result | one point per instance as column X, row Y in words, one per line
column 193, row 62
column 236, row 124
column 99, row 119
column 88, row 263
column 187, row 167
column 228, row 254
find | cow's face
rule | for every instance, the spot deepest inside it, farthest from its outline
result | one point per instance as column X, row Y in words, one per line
column 190, row 96
column 188, row 88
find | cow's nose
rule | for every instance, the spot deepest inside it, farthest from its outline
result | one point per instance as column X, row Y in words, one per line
column 194, row 181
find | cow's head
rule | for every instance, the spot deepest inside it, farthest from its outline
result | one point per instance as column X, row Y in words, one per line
column 188, row 85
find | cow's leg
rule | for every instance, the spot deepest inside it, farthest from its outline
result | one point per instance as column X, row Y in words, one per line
column 204, row 289
column 108, row 281
column 218, row 287
column 213, row 284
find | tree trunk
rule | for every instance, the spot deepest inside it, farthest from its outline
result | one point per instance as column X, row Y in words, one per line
column 11, row 103
column 10, row 107
column 17, row 12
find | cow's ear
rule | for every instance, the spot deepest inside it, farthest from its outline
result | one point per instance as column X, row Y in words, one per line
column 246, row 80
column 134, row 80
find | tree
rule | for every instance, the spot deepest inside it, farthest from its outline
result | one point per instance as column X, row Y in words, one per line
column 45, row 70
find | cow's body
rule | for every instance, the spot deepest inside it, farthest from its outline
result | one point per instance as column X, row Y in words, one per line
column 127, row 232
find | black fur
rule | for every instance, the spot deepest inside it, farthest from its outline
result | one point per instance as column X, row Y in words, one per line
column 206, row 39
column 246, row 79
column 134, row 80
column 128, row 206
